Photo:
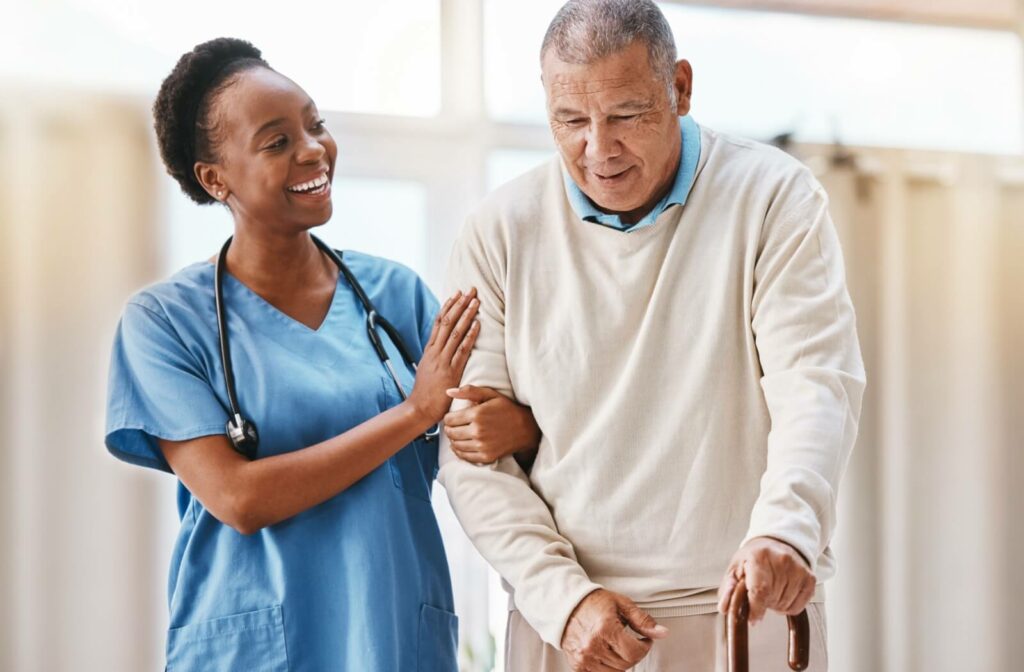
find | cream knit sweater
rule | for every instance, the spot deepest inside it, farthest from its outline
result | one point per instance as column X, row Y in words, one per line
column 698, row 383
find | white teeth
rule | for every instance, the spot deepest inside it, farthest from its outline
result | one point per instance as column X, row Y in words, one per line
column 312, row 184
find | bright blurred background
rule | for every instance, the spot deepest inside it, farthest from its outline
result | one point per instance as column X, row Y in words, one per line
column 911, row 112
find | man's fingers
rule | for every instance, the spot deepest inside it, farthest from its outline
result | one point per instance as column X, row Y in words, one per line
column 477, row 395
column 725, row 589
column 759, row 586
column 802, row 598
column 600, row 666
column 629, row 648
column 611, row 658
column 641, row 621
column 794, row 585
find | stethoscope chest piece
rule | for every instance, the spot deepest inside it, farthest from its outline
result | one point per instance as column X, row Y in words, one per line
column 244, row 436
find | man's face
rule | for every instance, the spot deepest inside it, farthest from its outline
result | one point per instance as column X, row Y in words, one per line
column 616, row 127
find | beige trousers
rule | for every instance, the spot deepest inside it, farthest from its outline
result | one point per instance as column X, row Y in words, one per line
column 694, row 644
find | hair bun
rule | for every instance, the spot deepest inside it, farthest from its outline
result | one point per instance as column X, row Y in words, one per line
column 179, row 105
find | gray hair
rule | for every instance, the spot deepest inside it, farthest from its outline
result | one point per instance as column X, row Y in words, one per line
column 585, row 31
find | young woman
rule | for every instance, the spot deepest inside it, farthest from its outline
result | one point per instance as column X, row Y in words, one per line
column 259, row 379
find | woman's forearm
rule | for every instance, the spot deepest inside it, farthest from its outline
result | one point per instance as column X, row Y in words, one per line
column 276, row 488
column 251, row 495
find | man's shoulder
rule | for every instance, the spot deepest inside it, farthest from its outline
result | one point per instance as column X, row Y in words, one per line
column 757, row 163
column 778, row 189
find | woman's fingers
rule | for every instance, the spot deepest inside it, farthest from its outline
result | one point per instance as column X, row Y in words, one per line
column 440, row 314
column 463, row 416
column 462, row 351
column 449, row 318
column 470, row 451
column 460, row 432
column 460, row 331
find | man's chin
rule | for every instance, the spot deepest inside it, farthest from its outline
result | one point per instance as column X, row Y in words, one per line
column 612, row 205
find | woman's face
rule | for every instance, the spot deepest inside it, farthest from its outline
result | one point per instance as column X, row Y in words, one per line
column 275, row 159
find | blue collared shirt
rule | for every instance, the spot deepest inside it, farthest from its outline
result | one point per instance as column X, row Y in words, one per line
column 588, row 212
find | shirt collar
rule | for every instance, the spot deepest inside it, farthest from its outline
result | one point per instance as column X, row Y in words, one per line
column 688, row 157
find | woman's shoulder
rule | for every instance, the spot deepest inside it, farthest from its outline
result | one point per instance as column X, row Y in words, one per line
column 381, row 275
column 184, row 293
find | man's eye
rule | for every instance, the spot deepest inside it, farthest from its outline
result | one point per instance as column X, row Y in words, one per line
column 625, row 117
column 575, row 122
column 320, row 125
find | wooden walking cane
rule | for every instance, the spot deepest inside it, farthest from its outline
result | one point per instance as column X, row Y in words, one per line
column 736, row 634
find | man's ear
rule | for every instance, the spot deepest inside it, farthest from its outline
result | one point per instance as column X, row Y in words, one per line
column 209, row 177
column 684, row 86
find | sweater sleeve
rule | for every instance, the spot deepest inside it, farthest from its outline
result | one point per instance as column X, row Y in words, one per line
column 813, row 377
column 507, row 521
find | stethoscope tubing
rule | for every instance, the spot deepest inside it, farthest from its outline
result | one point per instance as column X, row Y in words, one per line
column 373, row 321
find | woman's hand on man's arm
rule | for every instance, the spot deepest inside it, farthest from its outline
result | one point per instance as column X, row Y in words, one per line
column 250, row 495
column 493, row 427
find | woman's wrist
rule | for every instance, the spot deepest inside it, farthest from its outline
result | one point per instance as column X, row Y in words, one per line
column 418, row 415
column 529, row 430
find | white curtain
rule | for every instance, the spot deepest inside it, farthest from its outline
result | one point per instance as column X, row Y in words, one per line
column 930, row 539
column 80, row 584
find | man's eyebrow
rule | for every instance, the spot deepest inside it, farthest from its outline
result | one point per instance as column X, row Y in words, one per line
column 628, row 106
column 633, row 105
column 280, row 120
column 566, row 112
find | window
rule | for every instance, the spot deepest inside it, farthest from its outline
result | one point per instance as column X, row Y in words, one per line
column 381, row 57
column 760, row 74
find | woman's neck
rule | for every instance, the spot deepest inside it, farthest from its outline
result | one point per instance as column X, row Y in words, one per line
column 276, row 264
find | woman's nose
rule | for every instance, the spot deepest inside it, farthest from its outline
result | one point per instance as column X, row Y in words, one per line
column 310, row 150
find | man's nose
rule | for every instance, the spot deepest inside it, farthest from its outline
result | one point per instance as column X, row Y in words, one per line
column 602, row 143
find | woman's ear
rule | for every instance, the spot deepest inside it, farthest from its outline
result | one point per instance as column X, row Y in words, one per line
column 209, row 177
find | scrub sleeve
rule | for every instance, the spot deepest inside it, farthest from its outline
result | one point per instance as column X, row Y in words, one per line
column 157, row 389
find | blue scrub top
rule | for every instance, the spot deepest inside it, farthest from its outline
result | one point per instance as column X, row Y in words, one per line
column 359, row 582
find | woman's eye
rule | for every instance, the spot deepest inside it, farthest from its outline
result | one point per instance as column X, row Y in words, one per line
column 276, row 144
column 320, row 125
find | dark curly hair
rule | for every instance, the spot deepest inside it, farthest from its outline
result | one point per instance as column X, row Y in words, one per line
column 181, row 113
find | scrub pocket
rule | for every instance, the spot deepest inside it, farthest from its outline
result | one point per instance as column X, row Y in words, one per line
column 438, row 638
column 408, row 471
column 251, row 642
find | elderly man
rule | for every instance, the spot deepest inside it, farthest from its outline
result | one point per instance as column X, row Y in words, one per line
column 671, row 303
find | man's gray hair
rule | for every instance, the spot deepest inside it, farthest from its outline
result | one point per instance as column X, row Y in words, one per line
column 585, row 31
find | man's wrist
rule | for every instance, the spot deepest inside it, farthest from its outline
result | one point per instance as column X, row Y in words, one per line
column 785, row 543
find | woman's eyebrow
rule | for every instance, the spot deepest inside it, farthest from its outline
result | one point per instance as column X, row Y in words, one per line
column 280, row 120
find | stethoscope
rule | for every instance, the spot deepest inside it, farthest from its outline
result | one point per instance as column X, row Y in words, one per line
column 242, row 432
